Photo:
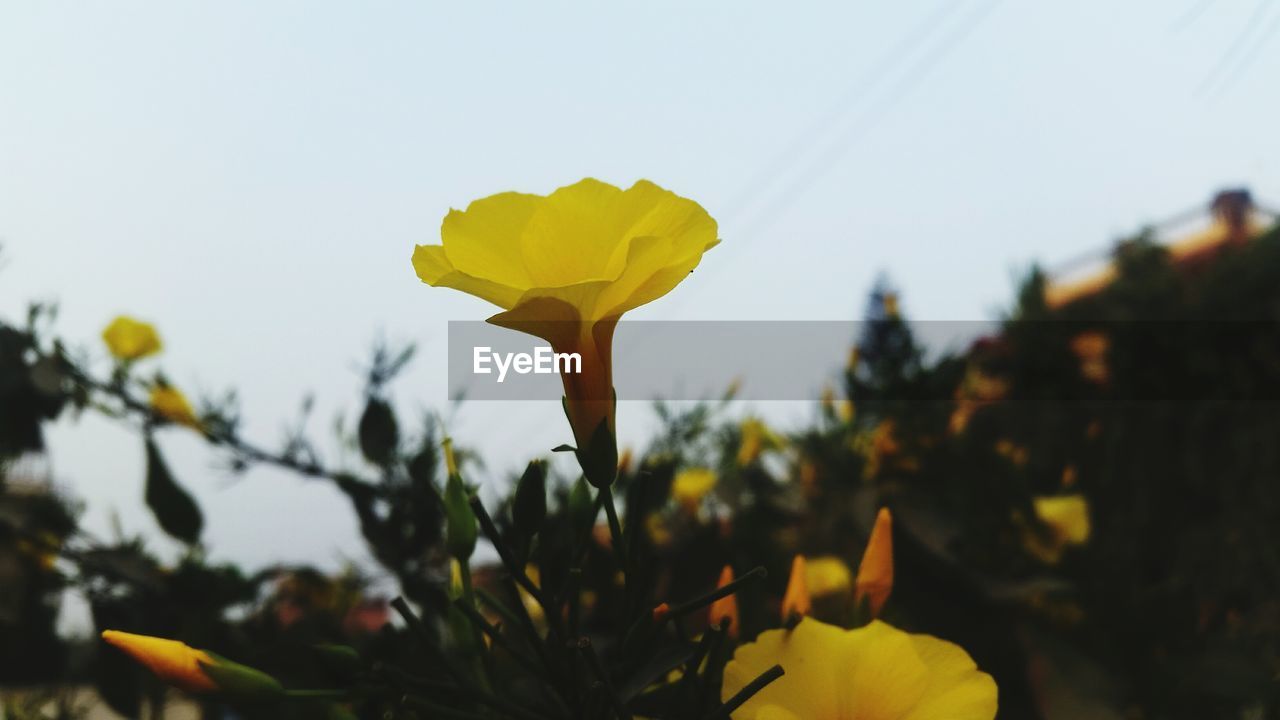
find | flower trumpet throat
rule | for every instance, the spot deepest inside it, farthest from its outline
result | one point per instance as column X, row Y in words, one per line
column 565, row 267
column 195, row 671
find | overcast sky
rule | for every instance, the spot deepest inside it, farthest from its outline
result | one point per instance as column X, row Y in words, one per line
column 253, row 177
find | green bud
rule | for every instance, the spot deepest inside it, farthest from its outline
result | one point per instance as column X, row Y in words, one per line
column 530, row 506
column 581, row 505
column 342, row 659
column 460, row 520
column 241, row 681
column 599, row 460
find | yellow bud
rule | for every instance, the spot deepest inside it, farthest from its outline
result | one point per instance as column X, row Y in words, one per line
column 173, row 662
column 450, row 463
column 169, row 403
column 875, row 573
column 796, row 601
column 726, row 608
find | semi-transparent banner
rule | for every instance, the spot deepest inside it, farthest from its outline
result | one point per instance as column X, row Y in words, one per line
column 795, row 360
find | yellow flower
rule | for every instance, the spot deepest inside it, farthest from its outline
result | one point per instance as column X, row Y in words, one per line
column 169, row 403
column 564, row 268
column 195, row 671
column 875, row 573
column 691, row 485
column 756, row 438
column 876, row 672
column 827, row 575
column 796, row 601
column 130, row 339
column 1091, row 347
column 1067, row 517
column 726, row 608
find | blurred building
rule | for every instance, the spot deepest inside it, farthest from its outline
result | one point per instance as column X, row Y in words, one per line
column 1193, row 239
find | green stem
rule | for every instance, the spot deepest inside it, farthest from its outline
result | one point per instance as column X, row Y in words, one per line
column 317, row 694
column 615, row 533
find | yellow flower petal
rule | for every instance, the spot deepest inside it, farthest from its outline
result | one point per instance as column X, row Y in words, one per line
column 485, row 241
column 875, row 672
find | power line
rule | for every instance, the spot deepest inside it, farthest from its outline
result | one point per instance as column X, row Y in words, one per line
column 1250, row 55
column 862, row 123
column 1243, row 38
column 853, row 93
column 869, row 119
column 1192, row 14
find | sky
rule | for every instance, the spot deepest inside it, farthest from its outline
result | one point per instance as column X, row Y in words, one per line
column 253, row 177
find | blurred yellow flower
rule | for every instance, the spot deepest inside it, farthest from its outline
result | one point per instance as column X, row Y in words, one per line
column 1092, row 347
column 797, row 601
column 756, row 438
column 1067, row 517
column 808, row 472
column 169, row 403
column 827, row 575
column 130, row 339
column 1012, row 452
column 880, row 446
column 174, row 662
column 841, row 409
column 875, row 572
column 726, row 608
column 659, row 533
column 564, row 268
column 876, row 672
column 691, row 485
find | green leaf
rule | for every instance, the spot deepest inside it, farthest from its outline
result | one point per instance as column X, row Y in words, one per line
column 379, row 432
column 174, row 508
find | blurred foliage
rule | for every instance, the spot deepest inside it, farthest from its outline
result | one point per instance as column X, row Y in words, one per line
column 1154, row 400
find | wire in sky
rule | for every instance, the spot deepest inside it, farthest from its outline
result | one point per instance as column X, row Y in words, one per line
column 1250, row 56
column 854, row 93
column 867, row 120
column 1192, row 14
column 1221, row 71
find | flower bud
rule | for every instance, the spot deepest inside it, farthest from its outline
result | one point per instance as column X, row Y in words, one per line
column 196, row 671
column 875, row 573
column 460, row 519
column 796, row 602
column 726, row 608
column 529, row 508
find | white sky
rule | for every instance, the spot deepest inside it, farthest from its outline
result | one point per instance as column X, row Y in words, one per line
column 252, row 177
